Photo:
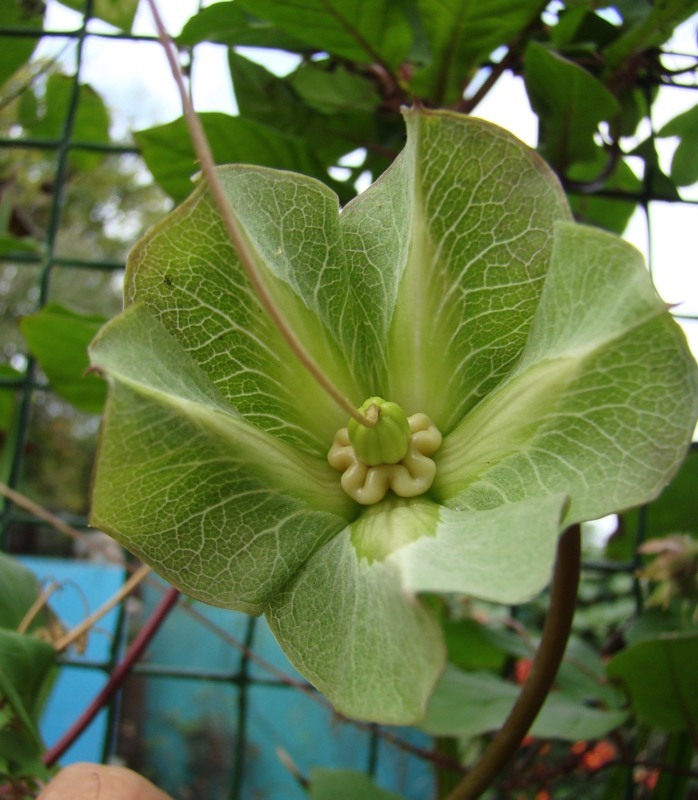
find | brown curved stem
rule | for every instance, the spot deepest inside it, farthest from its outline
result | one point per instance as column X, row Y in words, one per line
column 235, row 231
column 563, row 597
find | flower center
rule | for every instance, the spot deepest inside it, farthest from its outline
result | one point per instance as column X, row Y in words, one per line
column 387, row 441
column 393, row 454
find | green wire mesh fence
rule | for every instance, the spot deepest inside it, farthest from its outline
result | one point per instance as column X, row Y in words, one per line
column 79, row 185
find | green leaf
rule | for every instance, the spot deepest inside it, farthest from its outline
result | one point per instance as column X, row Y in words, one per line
column 610, row 213
column 8, row 395
column 469, row 647
column 468, row 704
column 570, row 103
column 659, row 184
column 16, row 51
column 19, row 589
column 20, row 744
column 267, row 99
column 542, row 428
column 27, row 669
column 90, row 122
column 352, row 29
column 169, row 155
column 684, row 164
column 65, row 366
column 654, row 622
column 272, row 101
column 579, row 29
column 461, row 34
column 582, row 677
column 119, row 13
column 27, row 664
column 345, row 784
column 648, row 30
column 633, row 11
column 674, row 511
column 11, row 244
column 661, row 681
column 228, row 23
column 332, row 89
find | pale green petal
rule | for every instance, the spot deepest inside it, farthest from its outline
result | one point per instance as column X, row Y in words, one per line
column 188, row 274
column 420, row 291
column 348, row 626
column 351, row 621
column 504, row 555
column 602, row 403
column 223, row 510
column 476, row 236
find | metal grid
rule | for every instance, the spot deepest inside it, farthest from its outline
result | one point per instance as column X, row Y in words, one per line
column 253, row 671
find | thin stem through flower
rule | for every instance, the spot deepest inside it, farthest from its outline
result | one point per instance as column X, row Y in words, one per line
column 237, row 237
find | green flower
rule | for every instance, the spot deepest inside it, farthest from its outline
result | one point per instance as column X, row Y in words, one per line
column 458, row 287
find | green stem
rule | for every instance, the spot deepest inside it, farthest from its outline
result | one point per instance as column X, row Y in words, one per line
column 558, row 623
column 237, row 237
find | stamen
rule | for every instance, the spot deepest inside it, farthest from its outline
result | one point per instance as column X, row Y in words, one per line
column 411, row 476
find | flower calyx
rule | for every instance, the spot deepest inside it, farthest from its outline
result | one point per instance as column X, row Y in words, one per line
column 393, row 454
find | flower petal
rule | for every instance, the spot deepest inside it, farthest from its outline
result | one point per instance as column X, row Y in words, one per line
column 504, row 555
column 602, row 403
column 223, row 510
column 351, row 622
column 188, row 274
column 465, row 218
column 347, row 625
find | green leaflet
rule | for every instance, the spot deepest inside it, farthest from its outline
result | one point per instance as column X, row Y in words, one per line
column 461, row 33
column 659, row 676
column 345, row 784
column 455, row 286
column 469, row 704
column 353, row 29
column 570, row 103
column 65, row 367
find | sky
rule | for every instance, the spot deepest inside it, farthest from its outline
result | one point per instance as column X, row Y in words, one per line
column 116, row 69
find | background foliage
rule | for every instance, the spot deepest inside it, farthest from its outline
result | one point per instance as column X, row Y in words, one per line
column 75, row 193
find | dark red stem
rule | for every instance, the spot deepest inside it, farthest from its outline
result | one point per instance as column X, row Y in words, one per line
column 116, row 679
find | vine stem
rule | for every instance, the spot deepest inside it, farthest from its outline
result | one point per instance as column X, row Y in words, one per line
column 39, row 511
column 79, row 630
column 235, row 232
column 116, row 679
column 556, row 631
